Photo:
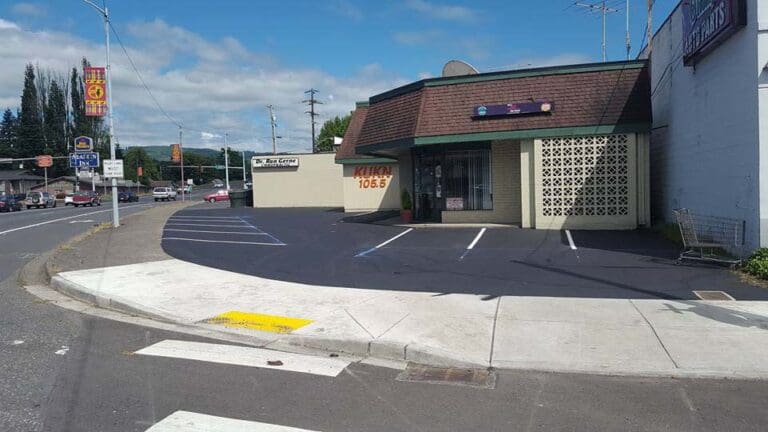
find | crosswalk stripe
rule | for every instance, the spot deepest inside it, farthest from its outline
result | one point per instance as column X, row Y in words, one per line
column 186, row 421
column 245, row 356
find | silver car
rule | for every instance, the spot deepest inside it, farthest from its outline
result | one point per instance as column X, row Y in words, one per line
column 40, row 200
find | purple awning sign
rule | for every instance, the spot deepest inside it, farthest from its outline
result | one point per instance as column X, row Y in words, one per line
column 511, row 109
column 707, row 23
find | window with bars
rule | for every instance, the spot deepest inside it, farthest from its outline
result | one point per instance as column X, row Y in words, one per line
column 467, row 179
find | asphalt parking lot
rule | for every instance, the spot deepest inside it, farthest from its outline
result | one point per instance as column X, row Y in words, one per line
column 315, row 246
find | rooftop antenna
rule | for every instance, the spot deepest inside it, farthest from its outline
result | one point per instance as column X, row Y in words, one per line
column 602, row 8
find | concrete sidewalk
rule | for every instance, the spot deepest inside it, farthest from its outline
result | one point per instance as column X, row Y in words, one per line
column 605, row 336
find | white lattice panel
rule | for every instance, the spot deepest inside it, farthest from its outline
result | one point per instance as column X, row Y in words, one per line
column 586, row 181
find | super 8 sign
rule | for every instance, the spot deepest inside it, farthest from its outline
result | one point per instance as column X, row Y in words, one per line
column 95, row 91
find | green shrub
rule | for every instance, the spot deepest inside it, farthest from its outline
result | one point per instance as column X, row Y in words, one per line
column 757, row 264
column 405, row 200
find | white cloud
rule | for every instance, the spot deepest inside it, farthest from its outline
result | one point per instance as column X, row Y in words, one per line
column 417, row 37
column 210, row 86
column 346, row 9
column 8, row 25
column 28, row 9
column 442, row 11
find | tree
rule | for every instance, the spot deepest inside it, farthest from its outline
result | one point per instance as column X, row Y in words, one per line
column 31, row 137
column 8, row 136
column 56, row 126
column 135, row 157
column 335, row 127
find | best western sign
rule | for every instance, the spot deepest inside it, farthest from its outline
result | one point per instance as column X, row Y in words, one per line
column 707, row 23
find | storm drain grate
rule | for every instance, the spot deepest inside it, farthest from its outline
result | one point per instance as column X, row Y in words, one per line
column 713, row 295
column 478, row 378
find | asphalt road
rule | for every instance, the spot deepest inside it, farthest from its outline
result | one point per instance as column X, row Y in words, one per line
column 315, row 246
column 63, row 371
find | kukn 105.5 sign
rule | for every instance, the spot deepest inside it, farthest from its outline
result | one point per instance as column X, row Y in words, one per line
column 707, row 23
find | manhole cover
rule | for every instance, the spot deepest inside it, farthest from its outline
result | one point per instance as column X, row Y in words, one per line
column 713, row 295
column 479, row 378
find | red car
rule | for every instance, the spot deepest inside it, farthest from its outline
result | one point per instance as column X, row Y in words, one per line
column 220, row 195
column 86, row 199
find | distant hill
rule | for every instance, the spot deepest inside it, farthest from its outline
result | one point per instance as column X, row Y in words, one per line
column 163, row 153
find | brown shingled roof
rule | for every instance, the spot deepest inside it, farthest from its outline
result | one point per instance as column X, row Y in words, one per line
column 347, row 149
column 587, row 96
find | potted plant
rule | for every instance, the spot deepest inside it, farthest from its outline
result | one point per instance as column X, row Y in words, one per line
column 406, row 213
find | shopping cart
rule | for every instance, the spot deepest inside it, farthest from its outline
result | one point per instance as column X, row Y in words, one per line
column 710, row 238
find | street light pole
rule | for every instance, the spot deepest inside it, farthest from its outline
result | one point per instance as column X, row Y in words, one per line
column 272, row 122
column 105, row 13
column 244, row 176
column 226, row 159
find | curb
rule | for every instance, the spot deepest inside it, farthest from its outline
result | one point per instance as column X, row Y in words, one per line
column 382, row 350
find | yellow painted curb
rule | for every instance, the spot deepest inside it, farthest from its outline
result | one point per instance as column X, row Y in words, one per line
column 254, row 321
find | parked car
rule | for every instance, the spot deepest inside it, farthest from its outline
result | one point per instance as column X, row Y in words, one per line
column 9, row 203
column 68, row 199
column 40, row 199
column 218, row 184
column 86, row 199
column 164, row 194
column 248, row 185
column 187, row 189
column 127, row 197
column 219, row 195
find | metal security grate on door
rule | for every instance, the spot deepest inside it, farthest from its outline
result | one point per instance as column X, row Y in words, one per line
column 586, row 182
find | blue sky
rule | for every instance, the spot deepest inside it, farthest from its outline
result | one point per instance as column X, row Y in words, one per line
column 348, row 49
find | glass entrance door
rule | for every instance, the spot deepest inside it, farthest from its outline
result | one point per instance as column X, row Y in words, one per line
column 428, row 187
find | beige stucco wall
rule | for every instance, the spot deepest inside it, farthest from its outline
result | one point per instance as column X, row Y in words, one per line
column 316, row 182
column 363, row 189
column 505, row 173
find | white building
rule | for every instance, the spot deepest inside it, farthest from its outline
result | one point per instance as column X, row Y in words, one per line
column 709, row 87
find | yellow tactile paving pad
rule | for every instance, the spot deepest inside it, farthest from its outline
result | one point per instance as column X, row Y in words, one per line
column 254, row 321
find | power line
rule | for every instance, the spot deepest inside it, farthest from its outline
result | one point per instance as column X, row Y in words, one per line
column 141, row 79
column 312, row 114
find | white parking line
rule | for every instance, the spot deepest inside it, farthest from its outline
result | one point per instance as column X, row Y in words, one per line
column 188, row 421
column 477, row 239
column 202, row 220
column 381, row 245
column 206, row 217
column 570, row 239
column 474, row 242
column 216, row 232
column 66, row 218
column 204, row 225
column 222, row 241
column 246, row 356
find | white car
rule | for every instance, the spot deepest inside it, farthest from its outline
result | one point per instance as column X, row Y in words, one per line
column 68, row 199
column 163, row 194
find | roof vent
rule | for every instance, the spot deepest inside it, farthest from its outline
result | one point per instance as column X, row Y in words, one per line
column 458, row 68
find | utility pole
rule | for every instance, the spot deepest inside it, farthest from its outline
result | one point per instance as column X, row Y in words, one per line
column 244, row 176
column 226, row 160
column 603, row 9
column 272, row 122
column 628, row 39
column 105, row 13
column 181, row 152
column 312, row 114
column 649, row 26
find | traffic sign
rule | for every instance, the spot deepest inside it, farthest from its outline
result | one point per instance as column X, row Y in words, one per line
column 83, row 160
column 83, row 144
column 113, row 168
column 44, row 161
